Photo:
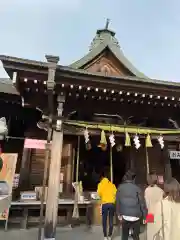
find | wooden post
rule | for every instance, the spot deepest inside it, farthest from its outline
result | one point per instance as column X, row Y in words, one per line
column 167, row 163
column 25, row 170
column 45, row 177
column 56, row 153
column 68, row 150
column 53, row 186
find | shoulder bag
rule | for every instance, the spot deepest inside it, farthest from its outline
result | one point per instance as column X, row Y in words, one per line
column 160, row 236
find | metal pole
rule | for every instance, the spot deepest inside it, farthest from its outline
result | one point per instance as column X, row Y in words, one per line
column 45, row 177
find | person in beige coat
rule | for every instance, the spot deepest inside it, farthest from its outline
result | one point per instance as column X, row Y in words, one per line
column 153, row 195
column 167, row 213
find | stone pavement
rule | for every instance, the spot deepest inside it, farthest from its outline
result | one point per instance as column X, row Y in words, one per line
column 62, row 233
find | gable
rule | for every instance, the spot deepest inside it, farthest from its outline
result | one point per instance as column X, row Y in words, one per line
column 105, row 55
column 107, row 64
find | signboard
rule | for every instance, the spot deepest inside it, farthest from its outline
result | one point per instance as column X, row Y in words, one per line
column 174, row 154
column 6, row 177
column 35, row 143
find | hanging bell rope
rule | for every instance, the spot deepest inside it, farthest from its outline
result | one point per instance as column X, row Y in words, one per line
column 73, row 163
column 77, row 161
column 147, row 161
column 111, row 165
column 75, row 215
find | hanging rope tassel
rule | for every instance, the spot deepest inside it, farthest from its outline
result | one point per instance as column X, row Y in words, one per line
column 136, row 141
column 148, row 141
column 161, row 141
column 112, row 140
column 87, row 140
column 103, row 141
column 127, row 140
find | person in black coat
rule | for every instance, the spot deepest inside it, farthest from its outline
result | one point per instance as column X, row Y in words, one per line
column 130, row 206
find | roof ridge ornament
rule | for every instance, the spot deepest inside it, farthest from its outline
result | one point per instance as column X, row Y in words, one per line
column 107, row 23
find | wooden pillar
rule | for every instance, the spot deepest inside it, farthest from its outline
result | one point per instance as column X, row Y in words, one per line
column 55, row 117
column 53, row 186
column 25, row 170
column 68, row 157
column 167, row 164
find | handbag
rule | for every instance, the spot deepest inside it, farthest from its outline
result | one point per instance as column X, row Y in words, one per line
column 159, row 236
column 150, row 218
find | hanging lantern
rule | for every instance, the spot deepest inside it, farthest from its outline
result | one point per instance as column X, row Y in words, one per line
column 127, row 140
column 136, row 142
column 161, row 141
column 148, row 141
column 87, row 140
column 112, row 140
column 103, row 141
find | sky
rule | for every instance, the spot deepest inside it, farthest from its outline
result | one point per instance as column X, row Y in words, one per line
column 148, row 31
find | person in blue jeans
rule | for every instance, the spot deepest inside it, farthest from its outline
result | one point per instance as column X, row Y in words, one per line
column 107, row 193
column 130, row 206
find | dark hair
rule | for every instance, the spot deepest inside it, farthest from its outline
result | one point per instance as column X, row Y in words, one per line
column 152, row 179
column 105, row 174
column 129, row 176
column 172, row 190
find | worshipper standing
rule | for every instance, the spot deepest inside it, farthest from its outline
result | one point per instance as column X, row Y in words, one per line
column 107, row 193
column 167, row 213
column 153, row 195
column 130, row 206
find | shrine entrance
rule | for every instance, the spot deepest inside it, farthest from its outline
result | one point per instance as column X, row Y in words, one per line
column 95, row 161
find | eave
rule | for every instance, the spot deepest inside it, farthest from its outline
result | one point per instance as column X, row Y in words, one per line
column 6, row 87
column 79, row 76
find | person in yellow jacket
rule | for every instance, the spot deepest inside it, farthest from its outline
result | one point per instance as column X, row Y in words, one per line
column 107, row 193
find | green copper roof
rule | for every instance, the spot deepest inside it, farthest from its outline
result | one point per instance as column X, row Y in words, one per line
column 105, row 39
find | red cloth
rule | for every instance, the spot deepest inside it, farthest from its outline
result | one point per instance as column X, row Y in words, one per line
column 150, row 218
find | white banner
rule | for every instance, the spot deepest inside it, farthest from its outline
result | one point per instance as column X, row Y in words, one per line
column 174, row 154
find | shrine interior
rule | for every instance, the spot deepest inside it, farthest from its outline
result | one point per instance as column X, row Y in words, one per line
column 95, row 162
